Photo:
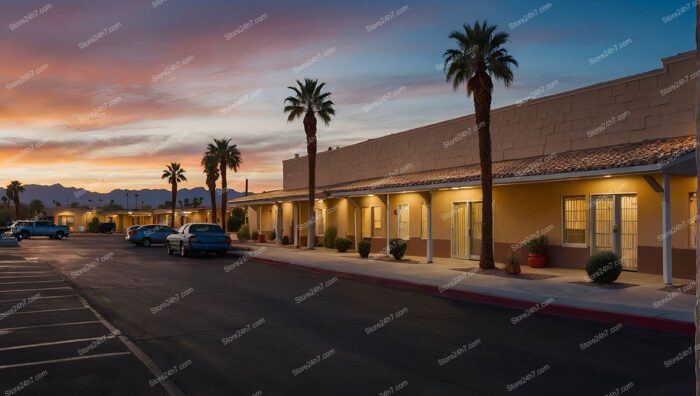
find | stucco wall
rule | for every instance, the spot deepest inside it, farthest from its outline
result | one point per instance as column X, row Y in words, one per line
column 542, row 126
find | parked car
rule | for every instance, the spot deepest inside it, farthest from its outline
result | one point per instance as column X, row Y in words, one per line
column 31, row 228
column 198, row 237
column 106, row 228
column 150, row 234
column 130, row 231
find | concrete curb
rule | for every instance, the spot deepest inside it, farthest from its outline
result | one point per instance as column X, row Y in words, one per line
column 653, row 323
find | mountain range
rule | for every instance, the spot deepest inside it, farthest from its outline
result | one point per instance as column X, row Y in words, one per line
column 152, row 197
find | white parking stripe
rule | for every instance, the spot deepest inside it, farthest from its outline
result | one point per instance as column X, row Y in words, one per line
column 49, row 325
column 50, row 343
column 24, row 266
column 26, row 276
column 47, row 310
column 21, row 290
column 39, row 298
column 27, row 272
column 64, row 360
column 32, row 282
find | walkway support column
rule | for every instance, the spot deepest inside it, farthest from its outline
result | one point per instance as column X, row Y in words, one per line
column 428, row 198
column 667, row 248
column 295, row 219
column 388, row 218
column 354, row 220
column 280, row 224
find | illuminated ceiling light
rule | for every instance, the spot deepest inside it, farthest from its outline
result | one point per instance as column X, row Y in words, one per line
column 371, row 195
column 454, row 188
column 607, row 176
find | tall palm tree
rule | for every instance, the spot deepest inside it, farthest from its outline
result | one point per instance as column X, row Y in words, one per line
column 211, row 169
column 175, row 174
column 13, row 190
column 478, row 58
column 229, row 157
column 697, row 260
column 308, row 102
column 4, row 200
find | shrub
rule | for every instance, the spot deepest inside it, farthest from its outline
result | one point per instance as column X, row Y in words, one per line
column 243, row 233
column 285, row 240
column 254, row 235
column 342, row 244
column 329, row 237
column 272, row 237
column 364, row 248
column 94, row 225
column 538, row 245
column 397, row 248
column 604, row 267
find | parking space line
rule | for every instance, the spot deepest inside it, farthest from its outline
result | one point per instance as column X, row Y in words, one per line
column 48, row 288
column 49, row 325
column 65, row 360
column 25, row 276
column 39, row 298
column 27, row 272
column 47, row 310
column 23, row 266
column 32, row 282
column 11, row 348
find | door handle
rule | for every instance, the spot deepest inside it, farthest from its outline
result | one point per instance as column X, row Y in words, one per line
column 615, row 229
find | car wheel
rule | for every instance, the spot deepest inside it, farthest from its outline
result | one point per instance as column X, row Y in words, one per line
column 24, row 234
column 146, row 242
column 183, row 252
column 167, row 246
column 60, row 235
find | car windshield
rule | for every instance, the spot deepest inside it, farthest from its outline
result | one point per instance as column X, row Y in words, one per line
column 204, row 228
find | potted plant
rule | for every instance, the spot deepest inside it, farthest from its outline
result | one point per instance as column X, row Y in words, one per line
column 537, row 249
column 512, row 265
column 364, row 248
column 262, row 237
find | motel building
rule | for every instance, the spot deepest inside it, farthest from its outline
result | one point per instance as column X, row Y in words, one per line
column 604, row 167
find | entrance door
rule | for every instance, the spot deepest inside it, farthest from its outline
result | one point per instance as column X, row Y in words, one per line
column 459, row 230
column 474, row 230
column 614, row 227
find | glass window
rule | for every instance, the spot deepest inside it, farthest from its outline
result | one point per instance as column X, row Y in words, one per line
column 66, row 220
column 366, row 220
column 403, row 222
column 320, row 221
column 204, row 228
column 692, row 226
column 574, row 220
column 424, row 221
column 377, row 217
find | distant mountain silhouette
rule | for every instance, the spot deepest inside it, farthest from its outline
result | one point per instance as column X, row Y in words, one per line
column 153, row 197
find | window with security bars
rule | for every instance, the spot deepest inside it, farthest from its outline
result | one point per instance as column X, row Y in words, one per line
column 403, row 222
column 575, row 220
column 424, row 221
column 320, row 221
column 692, row 222
column 366, row 223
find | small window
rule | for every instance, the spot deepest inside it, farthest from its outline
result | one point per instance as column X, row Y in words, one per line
column 574, row 220
column 366, row 220
column 403, row 222
column 692, row 222
column 424, row 221
column 377, row 218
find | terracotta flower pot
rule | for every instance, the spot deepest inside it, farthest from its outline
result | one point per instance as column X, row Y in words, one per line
column 262, row 238
column 537, row 260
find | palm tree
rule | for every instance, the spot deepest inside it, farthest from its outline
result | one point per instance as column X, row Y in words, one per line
column 13, row 190
column 697, row 260
column 479, row 57
column 308, row 102
column 228, row 157
column 175, row 174
column 4, row 200
column 211, row 169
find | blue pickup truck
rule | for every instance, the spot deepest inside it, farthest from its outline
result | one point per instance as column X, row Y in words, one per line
column 31, row 228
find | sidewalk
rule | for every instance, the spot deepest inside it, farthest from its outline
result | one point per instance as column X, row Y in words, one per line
column 641, row 303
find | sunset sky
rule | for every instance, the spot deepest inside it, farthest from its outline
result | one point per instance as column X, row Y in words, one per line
column 102, row 94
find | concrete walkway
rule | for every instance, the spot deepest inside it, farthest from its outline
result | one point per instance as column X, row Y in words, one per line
column 641, row 304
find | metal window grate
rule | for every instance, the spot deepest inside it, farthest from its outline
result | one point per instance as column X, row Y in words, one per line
column 575, row 220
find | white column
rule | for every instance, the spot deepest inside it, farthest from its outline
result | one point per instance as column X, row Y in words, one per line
column 388, row 220
column 666, row 222
column 280, row 224
column 354, row 219
column 295, row 215
column 429, row 241
column 259, row 219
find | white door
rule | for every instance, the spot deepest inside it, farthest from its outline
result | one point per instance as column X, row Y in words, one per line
column 614, row 227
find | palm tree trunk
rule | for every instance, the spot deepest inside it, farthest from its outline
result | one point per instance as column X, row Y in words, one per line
column 172, row 214
column 17, row 208
column 697, row 159
column 224, row 186
column 482, row 107
column 212, row 193
column 310, row 129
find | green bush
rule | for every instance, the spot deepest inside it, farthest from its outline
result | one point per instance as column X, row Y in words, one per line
column 604, row 267
column 243, row 233
column 285, row 240
column 254, row 236
column 538, row 245
column 397, row 248
column 236, row 220
column 272, row 237
column 364, row 248
column 342, row 244
column 329, row 237
column 94, row 225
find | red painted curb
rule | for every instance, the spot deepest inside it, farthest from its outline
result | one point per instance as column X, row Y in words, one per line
column 669, row 325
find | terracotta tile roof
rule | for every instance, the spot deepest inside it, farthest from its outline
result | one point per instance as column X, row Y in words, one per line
column 649, row 152
column 279, row 195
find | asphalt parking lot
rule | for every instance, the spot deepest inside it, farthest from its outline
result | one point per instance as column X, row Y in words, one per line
column 258, row 329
